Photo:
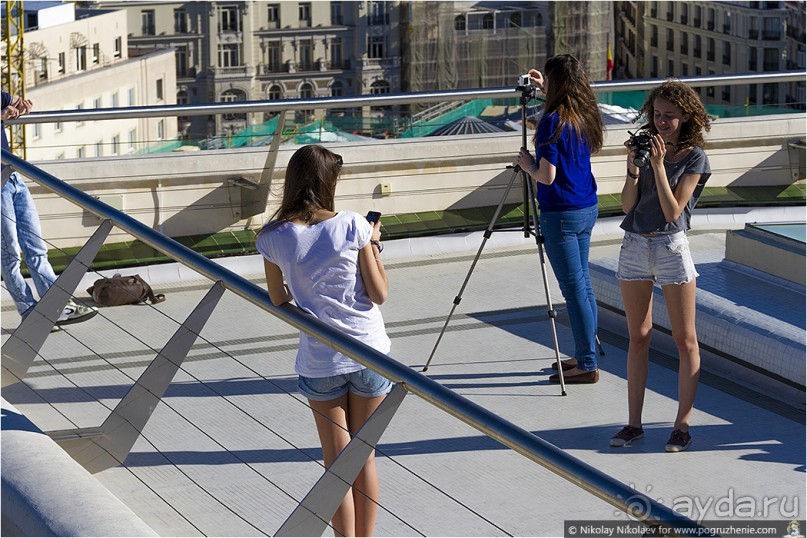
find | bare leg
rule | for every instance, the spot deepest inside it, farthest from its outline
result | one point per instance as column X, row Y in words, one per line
column 365, row 488
column 637, row 296
column 680, row 300
column 331, row 418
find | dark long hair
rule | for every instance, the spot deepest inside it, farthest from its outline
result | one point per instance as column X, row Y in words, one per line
column 310, row 183
column 571, row 96
column 685, row 98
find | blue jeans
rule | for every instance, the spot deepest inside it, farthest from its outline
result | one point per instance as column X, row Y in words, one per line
column 21, row 231
column 568, row 239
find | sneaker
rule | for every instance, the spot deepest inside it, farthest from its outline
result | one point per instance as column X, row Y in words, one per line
column 678, row 442
column 75, row 313
column 627, row 435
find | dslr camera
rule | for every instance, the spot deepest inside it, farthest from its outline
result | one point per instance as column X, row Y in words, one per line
column 642, row 141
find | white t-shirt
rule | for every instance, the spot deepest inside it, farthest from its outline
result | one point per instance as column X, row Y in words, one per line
column 321, row 266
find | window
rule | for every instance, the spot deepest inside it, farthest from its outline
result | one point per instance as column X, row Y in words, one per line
column 273, row 16
column 61, row 63
column 378, row 14
column 684, row 43
column 80, row 152
column 229, row 55
column 752, row 95
column 228, row 19
column 306, row 54
column 99, row 148
column 753, row 28
column 379, row 87
column 684, row 70
column 654, row 9
column 160, row 129
column 459, row 23
column 159, row 89
column 752, row 59
column 770, row 31
column 684, row 13
column 727, row 23
column 670, row 12
column 670, row 68
column 116, row 145
column 96, row 53
column 710, row 20
column 181, row 58
column 696, row 21
column 233, row 96
column 114, row 100
column 726, row 53
column 336, row 89
column 273, row 62
column 42, row 69
column 132, row 139
column 487, row 21
column 336, row 14
column 726, row 94
column 654, row 36
column 696, row 49
column 375, row 46
column 147, row 22
column 670, row 40
column 305, row 14
column 710, row 49
column 770, row 61
column 337, row 61
column 274, row 92
column 654, row 67
column 180, row 21
column 306, row 92
column 131, row 96
column 118, row 47
column 96, row 103
column 81, row 58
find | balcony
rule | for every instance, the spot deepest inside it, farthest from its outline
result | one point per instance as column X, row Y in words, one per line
column 238, row 71
column 376, row 63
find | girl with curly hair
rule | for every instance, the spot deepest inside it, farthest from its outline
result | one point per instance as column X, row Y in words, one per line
column 658, row 200
column 570, row 130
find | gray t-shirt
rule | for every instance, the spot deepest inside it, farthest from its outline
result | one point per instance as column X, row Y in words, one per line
column 646, row 217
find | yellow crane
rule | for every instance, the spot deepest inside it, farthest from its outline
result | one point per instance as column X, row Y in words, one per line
column 13, row 71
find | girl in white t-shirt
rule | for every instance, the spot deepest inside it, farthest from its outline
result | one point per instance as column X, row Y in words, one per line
column 329, row 263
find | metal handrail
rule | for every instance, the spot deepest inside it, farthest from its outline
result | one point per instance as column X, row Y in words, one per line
column 522, row 441
column 281, row 105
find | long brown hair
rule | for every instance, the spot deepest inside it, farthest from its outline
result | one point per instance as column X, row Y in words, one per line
column 571, row 96
column 310, row 183
column 684, row 97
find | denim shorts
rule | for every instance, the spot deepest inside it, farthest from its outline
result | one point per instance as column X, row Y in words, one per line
column 660, row 258
column 364, row 382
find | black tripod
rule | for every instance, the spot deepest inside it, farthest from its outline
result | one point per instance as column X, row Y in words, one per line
column 530, row 209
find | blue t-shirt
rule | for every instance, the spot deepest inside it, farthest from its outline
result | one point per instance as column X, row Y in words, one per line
column 574, row 186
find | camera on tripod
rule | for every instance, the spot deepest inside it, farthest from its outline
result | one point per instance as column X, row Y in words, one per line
column 642, row 141
column 526, row 87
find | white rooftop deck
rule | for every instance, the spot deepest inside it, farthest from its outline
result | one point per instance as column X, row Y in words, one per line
column 232, row 447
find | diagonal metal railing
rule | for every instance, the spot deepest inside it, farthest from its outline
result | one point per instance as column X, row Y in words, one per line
column 316, row 510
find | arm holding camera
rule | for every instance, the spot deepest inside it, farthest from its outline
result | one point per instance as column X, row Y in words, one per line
column 371, row 267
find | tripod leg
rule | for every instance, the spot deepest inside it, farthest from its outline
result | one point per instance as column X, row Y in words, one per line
column 488, row 233
column 539, row 239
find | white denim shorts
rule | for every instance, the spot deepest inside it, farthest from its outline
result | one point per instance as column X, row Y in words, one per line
column 660, row 258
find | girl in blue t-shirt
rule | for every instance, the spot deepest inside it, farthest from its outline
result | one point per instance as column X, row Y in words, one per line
column 570, row 130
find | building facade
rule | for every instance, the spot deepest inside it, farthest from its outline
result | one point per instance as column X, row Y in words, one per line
column 248, row 51
column 78, row 59
column 658, row 39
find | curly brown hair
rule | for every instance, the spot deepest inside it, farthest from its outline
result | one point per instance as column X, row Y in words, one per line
column 684, row 97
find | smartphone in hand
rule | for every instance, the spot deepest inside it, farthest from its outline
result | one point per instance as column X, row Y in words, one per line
column 373, row 216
